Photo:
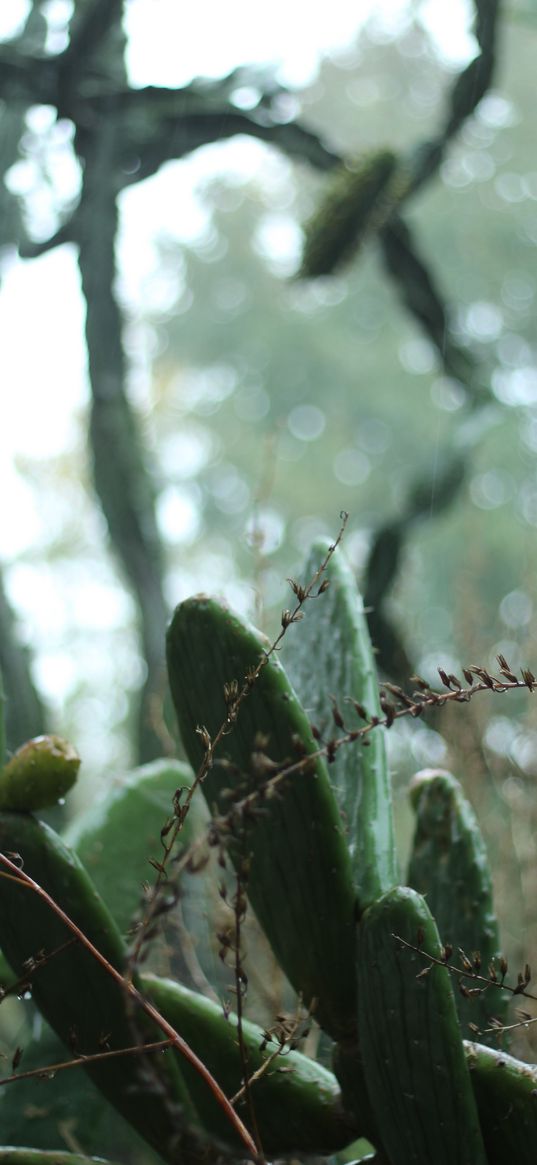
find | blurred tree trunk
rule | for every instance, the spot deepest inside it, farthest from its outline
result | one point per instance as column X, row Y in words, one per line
column 24, row 712
column 121, row 476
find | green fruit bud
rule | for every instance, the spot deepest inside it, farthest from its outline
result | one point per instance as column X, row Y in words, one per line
column 39, row 774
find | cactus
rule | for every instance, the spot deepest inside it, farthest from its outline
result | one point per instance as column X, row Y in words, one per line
column 299, row 879
column 39, row 775
column 505, row 1090
column 121, row 834
column 297, row 1109
column 298, row 810
column 417, row 1075
column 40, row 1157
column 335, row 635
column 449, row 863
column 71, row 989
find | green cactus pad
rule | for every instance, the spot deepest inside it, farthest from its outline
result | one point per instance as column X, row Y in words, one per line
column 506, row 1093
column 299, row 881
column 36, row 1110
column 350, row 1074
column 117, row 837
column 449, row 864
column 74, row 993
column 329, row 654
column 115, row 842
column 416, row 1072
column 297, row 1102
column 39, row 774
column 11, row 1156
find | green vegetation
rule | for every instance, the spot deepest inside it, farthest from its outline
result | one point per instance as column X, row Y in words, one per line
column 362, row 954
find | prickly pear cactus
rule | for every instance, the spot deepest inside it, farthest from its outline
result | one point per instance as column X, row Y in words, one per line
column 76, row 996
column 39, row 775
column 449, row 864
column 334, row 634
column 417, row 1075
column 291, row 843
column 506, row 1092
column 298, row 1109
column 306, row 824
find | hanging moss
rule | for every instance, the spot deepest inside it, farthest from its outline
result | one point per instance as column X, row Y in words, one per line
column 359, row 200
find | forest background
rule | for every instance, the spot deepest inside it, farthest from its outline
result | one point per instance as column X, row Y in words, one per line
column 234, row 408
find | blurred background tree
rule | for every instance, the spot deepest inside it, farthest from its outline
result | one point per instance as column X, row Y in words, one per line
column 234, row 406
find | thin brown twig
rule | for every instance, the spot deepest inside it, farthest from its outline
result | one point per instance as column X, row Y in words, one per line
column 426, row 698
column 508, row 1027
column 259, row 1072
column 282, row 1040
column 50, row 1070
column 17, row 875
column 472, row 974
column 466, row 973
